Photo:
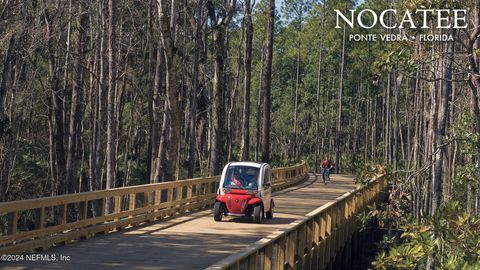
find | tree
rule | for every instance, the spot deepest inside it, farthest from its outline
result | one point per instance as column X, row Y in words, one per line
column 338, row 129
column 245, row 147
column 112, row 77
column 267, row 82
column 197, row 22
column 219, row 22
column 76, row 110
column 320, row 60
column 168, row 154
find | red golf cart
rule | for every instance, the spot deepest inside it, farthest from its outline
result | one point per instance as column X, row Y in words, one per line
column 245, row 190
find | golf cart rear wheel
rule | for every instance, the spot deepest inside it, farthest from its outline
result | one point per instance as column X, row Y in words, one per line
column 258, row 214
column 269, row 214
column 218, row 211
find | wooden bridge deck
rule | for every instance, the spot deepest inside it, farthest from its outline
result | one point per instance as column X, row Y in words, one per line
column 193, row 241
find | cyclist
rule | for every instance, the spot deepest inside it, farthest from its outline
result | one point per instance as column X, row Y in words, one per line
column 326, row 166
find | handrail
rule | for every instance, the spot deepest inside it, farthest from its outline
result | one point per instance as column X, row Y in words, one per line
column 309, row 242
column 61, row 219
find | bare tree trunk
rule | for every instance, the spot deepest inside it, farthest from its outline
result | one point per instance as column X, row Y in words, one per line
column 5, row 146
column 295, row 110
column 74, row 132
column 195, row 89
column 440, row 130
column 94, row 104
column 474, row 82
column 319, row 72
column 396, row 135
column 233, row 96
column 217, row 150
column 153, row 138
column 259, row 108
column 112, row 74
column 267, row 82
column 245, row 146
column 101, row 101
column 387, row 155
column 5, row 72
column 170, row 136
column 56, row 115
column 338, row 131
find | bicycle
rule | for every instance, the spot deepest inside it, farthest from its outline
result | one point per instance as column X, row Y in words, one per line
column 326, row 175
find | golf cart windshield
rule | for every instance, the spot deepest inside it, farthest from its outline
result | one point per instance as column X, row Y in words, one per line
column 241, row 177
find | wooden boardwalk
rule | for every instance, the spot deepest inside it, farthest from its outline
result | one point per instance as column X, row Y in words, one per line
column 193, row 241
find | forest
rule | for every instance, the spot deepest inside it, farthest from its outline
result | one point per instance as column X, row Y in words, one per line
column 97, row 94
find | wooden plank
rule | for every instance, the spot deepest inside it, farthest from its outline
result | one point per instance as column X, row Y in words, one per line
column 316, row 229
column 12, row 223
column 292, row 244
column 40, row 218
column 309, row 237
column 77, row 234
column 252, row 261
column 63, row 217
column 117, row 204
column 267, row 257
column 280, row 253
column 95, row 195
column 93, row 221
column 131, row 201
column 158, row 194
column 301, row 245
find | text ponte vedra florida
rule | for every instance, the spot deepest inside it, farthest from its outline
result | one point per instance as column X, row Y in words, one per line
column 399, row 37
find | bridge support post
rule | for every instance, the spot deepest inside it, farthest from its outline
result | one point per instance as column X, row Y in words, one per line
column 280, row 263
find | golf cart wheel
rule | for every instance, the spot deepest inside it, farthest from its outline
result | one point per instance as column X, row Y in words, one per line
column 258, row 214
column 218, row 211
column 269, row 214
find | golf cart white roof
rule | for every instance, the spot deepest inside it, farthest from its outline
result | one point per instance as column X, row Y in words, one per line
column 247, row 163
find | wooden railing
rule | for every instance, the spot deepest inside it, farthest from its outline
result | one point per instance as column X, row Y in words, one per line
column 310, row 242
column 61, row 219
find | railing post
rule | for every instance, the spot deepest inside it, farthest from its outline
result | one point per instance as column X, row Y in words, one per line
column 146, row 199
column 301, row 246
column 40, row 218
column 280, row 264
column 316, row 242
column 63, row 213
column 117, row 204
column 252, row 261
column 131, row 201
column 267, row 257
column 83, row 208
column 322, row 260
column 12, row 223
column 292, row 243
column 158, row 194
column 102, row 207
column 170, row 199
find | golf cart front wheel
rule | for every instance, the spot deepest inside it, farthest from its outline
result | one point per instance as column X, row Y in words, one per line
column 218, row 211
column 258, row 214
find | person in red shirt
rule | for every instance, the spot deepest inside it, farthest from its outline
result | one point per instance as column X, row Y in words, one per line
column 236, row 179
column 326, row 166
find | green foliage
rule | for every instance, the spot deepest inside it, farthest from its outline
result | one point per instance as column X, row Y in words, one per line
column 370, row 171
column 449, row 239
